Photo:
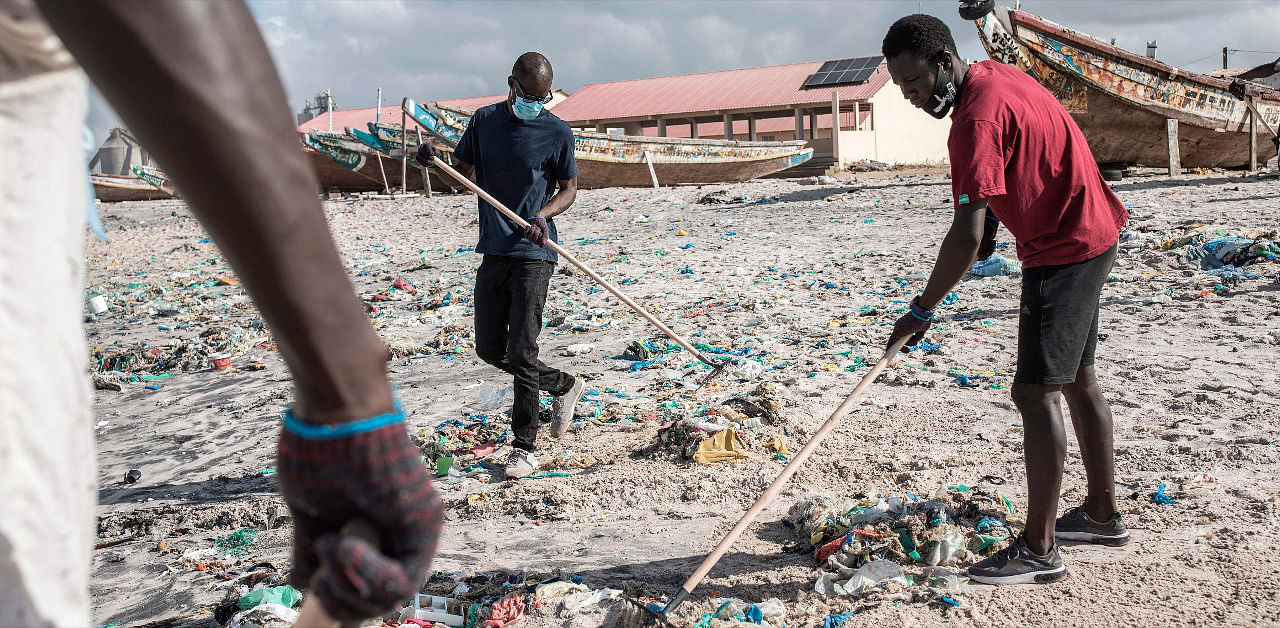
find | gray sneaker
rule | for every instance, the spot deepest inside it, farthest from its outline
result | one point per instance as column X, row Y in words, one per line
column 1018, row 565
column 1077, row 525
column 563, row 407
column 520, row 463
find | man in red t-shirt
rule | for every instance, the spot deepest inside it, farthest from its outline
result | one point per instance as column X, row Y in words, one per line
column 1017, row 157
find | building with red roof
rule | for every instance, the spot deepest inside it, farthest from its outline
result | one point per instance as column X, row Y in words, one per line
column 781, row 102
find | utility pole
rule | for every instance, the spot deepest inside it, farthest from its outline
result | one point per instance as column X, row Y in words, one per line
column 1224, row 57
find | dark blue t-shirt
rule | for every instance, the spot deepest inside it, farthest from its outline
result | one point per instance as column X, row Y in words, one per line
column 518, row 162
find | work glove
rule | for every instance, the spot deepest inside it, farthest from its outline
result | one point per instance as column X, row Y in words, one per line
column 989, row 231
column 538, row 231
column 426, row 153
column 913, row 324
column 337, row 482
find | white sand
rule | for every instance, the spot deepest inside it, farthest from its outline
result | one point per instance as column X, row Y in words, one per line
column 1192, row 383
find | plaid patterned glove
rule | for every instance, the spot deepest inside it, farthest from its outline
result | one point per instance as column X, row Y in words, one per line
column 338, row 478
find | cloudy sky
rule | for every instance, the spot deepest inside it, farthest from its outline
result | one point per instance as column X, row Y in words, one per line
column 434, row 50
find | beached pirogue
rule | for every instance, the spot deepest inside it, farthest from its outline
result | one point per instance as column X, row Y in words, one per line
column 1121, row 100
column 111, row 188
column 604, row 160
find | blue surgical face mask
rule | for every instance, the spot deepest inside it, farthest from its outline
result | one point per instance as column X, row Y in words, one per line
column 526, row 110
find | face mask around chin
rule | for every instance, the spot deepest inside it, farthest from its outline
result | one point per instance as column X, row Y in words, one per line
column 944, row 93
column 526, row 110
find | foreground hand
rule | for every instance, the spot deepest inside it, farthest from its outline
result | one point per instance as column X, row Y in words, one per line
column 913, row 325
column 426, row 154
column 538, row 231
column 373, row 480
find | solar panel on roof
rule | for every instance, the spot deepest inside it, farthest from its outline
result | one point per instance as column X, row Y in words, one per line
column 843, row 71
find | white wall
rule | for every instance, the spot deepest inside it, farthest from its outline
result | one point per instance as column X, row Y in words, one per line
column 904, row 134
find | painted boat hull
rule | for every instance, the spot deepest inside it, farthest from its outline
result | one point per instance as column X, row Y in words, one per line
column 116, row 188
column 353, row 167
column 1121, row 100
column 620, row 160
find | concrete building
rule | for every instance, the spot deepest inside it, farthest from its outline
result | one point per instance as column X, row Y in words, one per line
column 783, row 102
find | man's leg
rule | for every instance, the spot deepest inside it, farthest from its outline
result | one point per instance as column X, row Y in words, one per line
column 529, row 281
column 491, row 301
column 1091, row 416
column 1044, row 447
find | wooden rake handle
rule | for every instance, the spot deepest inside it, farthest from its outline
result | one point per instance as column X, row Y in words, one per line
column 444, row 167
column 792, row 466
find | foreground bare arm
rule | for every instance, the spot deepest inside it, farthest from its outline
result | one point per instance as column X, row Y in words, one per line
column 195, row 83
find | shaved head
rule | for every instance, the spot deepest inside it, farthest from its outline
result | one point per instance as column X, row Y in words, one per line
column 532, row 69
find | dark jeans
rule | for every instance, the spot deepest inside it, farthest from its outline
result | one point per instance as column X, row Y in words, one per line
column 509, row 296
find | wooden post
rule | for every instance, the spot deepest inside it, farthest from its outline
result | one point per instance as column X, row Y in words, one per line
column 652, row 175
column 751, row 127
column 835, row 127
column 799, row 124
column 404, row 148
column 693, row 128
column 386, row 187
column 662, row 128
column 1253, row 141
column 728, row 126
column 1175, row 158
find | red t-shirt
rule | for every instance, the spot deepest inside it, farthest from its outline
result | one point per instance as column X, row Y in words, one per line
column 1013, row 144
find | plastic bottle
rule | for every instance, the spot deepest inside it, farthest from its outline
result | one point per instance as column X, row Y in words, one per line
column 495, row 398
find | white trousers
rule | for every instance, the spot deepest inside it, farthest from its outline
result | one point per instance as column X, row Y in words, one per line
column 47, row 459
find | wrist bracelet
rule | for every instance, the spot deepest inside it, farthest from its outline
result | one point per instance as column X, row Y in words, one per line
column 919, row 312
column 317, row 431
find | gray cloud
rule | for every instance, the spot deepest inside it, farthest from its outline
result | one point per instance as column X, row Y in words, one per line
column 433, row 50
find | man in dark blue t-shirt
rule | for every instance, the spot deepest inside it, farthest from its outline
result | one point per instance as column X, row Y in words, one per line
column 520, row 153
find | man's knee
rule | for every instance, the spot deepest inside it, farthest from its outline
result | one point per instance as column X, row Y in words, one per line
column 490, row 355
column 1086, row 380
column 1024, row 394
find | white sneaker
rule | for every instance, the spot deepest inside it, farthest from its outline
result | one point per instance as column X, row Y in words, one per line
column 563, row 407
column 520, row 463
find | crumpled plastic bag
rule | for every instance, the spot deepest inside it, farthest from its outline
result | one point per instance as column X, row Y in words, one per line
column 559, row 589
column 949, row 549
column 996, row 265
column 264, row 616
column 870, row 574
column 506, row 611
column 723, row 446
column 283, row 595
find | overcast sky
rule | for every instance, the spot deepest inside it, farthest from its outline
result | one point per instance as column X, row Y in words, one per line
column 436, row 50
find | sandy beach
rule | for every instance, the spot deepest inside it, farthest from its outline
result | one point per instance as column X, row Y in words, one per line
column 799, row 283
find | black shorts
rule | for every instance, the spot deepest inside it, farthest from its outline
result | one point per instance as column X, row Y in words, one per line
column 1058, row 324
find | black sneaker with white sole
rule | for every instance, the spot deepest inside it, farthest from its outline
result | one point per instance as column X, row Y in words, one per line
column 1016, row 564
column 1077, row 525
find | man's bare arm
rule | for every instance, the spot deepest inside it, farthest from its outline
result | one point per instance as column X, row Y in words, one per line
column 562, row 200
column 195, row 83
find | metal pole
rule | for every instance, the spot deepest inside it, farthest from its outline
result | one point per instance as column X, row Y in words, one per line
column 377, row 117
column 328, row 104
column 404, row 150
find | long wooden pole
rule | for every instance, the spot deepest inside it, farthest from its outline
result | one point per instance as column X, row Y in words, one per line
column 792, row 466
column 648, row 159
column 514, row 217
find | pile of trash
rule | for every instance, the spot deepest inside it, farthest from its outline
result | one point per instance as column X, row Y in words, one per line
column 457, row 447
column 862, row 544
column 143, row 361
column 1210, row 247
column 497, row 599
column 727, row 431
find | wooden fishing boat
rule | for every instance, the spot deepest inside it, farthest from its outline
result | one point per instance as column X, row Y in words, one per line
column 606, row 160
column 112, row 188
column 156, row 178
column 1121, row 100
column 361, row 155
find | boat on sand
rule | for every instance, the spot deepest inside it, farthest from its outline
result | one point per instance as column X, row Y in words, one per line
column 1121, row 100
